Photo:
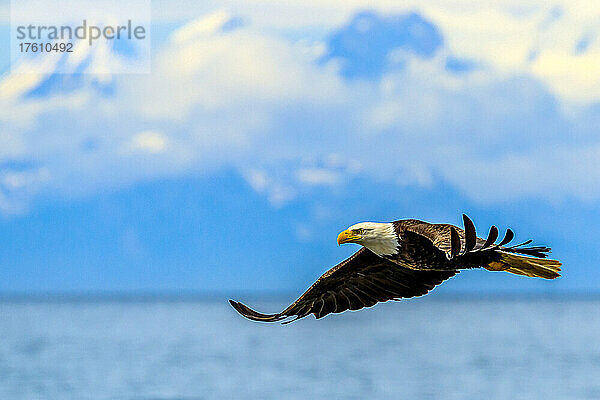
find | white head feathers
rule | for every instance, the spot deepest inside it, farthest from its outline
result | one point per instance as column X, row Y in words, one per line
column 378, row 237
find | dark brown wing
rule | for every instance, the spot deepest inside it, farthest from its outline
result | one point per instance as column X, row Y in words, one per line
column 360, row 281
column 426, row 246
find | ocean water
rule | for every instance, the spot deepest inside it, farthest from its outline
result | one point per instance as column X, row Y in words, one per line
column 429, row 348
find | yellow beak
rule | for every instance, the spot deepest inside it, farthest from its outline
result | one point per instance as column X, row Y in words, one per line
column 347, row 237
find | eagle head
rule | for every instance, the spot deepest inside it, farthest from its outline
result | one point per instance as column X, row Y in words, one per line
column 380, row 238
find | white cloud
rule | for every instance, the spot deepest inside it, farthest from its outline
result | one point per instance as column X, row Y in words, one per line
column 18, row 187
column 258, row 180
column 148, row 142
column 553, row 174
column 14, row 85
column 241, row 67
column 499, row 33
column 318, row 176
column 18, row 180
column 277, row 190
column 206, row 25
column 256, row 101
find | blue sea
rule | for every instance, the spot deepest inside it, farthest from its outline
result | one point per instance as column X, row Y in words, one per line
column 435, row 347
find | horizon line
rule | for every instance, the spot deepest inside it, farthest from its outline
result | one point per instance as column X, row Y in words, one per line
column 203, row 296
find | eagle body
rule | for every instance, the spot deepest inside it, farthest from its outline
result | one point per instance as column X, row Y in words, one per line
column 408, row 258
column 416, row 253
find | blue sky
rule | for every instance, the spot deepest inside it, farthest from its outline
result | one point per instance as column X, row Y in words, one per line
column 265, row 128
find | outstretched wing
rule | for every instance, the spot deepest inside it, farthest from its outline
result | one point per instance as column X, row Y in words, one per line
column 360, row 281
column 442, row 246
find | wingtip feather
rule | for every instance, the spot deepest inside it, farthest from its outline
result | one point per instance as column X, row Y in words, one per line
column 454, row 243
column 254, row 315
column 470, row 233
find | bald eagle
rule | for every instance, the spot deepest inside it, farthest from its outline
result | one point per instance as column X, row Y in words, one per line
column 408, row 258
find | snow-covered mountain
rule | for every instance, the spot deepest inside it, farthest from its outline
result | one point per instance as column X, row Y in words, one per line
column 39, row 74
column 372, row 44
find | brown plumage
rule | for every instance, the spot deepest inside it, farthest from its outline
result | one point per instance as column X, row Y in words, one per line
column 426, row 255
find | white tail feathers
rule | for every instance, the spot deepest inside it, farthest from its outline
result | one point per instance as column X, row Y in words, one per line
column 528, row 266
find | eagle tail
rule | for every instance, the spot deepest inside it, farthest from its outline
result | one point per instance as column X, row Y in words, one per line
column 534, row 251
column 528, row 266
